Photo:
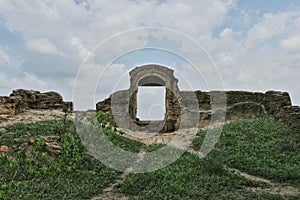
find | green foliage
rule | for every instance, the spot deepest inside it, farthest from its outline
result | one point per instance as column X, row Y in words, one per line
column 261, row 147
column 154, row 147
column 189, row 178
column 72, row 175
column 118, row 140
column 214, row 163
column 105, row 119
column 39, row 144
column 19, row 133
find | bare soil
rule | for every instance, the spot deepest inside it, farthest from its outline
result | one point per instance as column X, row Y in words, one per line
column 275, row 188
column 31, row 116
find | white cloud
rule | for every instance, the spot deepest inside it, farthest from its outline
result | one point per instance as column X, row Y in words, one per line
column 98, row 81
column 62, row 20
column 2, row 79
column 264, row 56
column 227, row 33
column 269, row 26
column 42, row 45
column 82, row 50
column 26, row 81
column 291, row 44
column 4, row 58
column 151, row 103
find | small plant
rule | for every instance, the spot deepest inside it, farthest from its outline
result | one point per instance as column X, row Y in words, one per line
column 105, row 119
column 214, row 163
column 116, row 139
column 39, row 144
column 65, row 111
column 28, row 174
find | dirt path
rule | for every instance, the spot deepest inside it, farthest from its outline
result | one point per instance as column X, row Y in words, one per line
column 177, row 138
column 275, row 188
column 110, row 192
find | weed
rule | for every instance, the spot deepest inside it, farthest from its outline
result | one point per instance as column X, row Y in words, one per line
column 72, row 175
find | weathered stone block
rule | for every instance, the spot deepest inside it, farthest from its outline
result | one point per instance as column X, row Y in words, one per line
column 21, row 100
column 188, row 108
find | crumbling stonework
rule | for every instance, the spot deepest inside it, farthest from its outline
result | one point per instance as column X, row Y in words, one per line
column 183, row 106
column 149, row 75
column 7, row 106
column 289, row 115
column 21, row 100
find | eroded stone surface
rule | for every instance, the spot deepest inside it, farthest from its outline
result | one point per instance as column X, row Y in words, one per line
column 185, row 109
column 21, row 100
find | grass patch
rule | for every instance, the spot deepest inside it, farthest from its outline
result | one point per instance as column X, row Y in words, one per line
column 16, row 134
column 189, row 178
column 108, row 127
column 72, row 175
column 261, row 147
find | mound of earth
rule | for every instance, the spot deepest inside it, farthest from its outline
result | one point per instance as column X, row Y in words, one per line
column 33, row 115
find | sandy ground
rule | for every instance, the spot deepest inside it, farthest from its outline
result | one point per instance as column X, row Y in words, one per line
column 34, row 116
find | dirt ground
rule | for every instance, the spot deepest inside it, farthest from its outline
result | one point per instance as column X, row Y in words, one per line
column 34, row 116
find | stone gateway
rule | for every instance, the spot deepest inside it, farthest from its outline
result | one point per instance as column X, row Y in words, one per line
column 239, row 104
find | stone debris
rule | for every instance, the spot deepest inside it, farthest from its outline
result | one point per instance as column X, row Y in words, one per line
column 53, row 148
column 4, row 149
column 52, row 144
column 22, row 100
column 30, row 142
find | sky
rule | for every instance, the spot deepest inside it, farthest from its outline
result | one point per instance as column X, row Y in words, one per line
column 85, row 49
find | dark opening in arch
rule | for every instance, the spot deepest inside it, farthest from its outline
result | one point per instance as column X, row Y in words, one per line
column 151, row 81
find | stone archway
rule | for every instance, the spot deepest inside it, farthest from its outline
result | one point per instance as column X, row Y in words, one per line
column 191, row 109
column 156, row 75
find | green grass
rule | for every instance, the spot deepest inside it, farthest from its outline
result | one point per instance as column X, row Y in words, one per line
column 190, row 178
column 73, row 175
column 118, row 140
column 260, row 147
column 19, row 133
column 80, row 184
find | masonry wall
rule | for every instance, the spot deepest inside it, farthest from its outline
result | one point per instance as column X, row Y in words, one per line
column 271, row 100
column 239, row 105
column 7, row 107
column 21, row 100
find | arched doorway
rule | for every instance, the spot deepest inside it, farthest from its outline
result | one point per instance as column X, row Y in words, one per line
column 156, row 76
column 151, row 99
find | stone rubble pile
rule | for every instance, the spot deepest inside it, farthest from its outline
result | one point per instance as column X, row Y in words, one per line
column 21, row 100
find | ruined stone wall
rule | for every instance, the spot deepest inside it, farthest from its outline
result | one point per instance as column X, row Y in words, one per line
column 271, row 100
column 7, row 107
column 239, row 105
column 21, row 100
column 290, row 115
column 186, row 109
column 243, row 105
column 155, row 75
